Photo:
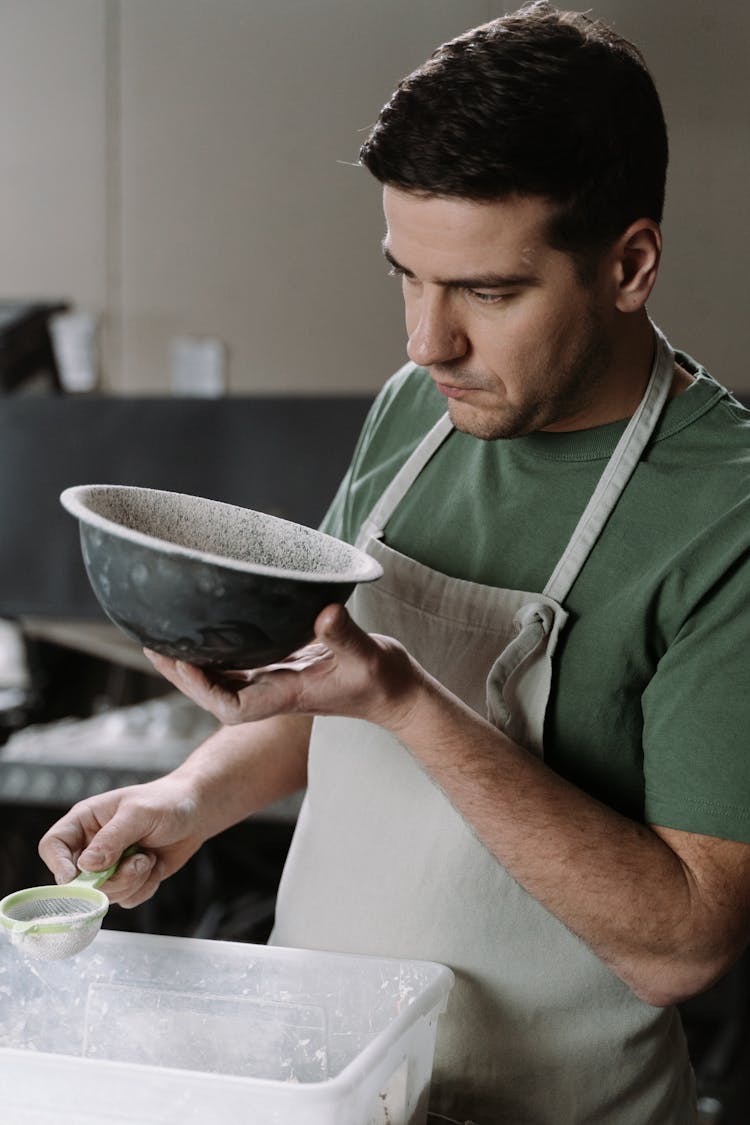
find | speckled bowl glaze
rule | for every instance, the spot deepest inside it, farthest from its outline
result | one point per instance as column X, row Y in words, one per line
column 205, row 582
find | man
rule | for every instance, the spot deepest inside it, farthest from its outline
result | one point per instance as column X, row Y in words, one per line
column 527, row 753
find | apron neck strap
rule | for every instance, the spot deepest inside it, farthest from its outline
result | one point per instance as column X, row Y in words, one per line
column 374, row 525
column 616, row 475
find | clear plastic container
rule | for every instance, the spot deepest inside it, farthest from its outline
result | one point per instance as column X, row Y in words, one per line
column 156, row 1030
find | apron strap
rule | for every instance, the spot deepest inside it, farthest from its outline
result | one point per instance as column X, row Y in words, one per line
column 374, row 525
column 616, row 475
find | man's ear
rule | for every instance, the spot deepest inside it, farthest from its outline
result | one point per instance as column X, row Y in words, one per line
column 636, row 256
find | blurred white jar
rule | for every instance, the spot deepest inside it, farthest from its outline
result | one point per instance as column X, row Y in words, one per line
column 75, row 340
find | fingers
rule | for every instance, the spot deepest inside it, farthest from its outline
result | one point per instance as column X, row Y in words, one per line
column 189, row 679
column 136, row 880
column 335, row 674
column 162, row 818
column 108, row 845
column 137, row 877
column 58, row 857
column 63, row 843
column 93, row 835
column 240, row 697
column 219, row 699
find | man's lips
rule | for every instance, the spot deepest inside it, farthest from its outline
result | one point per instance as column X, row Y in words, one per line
column 451, row 391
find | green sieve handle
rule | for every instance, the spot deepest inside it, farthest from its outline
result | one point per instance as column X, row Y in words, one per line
column 96, row 878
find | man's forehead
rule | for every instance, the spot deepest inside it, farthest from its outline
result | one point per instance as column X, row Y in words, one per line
column 457, row 237
column 519, row 220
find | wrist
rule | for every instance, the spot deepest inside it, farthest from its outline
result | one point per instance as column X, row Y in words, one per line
column 407, row 700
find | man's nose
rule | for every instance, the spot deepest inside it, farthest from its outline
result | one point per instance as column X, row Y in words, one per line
column 435, row 336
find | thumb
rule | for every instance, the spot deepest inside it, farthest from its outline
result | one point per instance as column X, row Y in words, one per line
column 108, row 845
column 335, row 628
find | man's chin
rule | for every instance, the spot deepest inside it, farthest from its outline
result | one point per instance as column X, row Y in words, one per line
column 487, row 427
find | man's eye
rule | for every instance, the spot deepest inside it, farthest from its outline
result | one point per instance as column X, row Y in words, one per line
column 487, row 298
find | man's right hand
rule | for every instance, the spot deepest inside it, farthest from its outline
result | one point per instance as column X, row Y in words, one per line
column 161, row 817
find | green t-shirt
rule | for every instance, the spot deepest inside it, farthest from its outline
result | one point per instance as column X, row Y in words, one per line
column 650, row 704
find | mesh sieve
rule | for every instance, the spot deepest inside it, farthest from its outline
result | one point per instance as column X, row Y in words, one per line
column 44, row 945
column 53, row 922
column 53, row 907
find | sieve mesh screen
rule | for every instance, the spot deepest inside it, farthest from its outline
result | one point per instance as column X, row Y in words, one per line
column 53, row 907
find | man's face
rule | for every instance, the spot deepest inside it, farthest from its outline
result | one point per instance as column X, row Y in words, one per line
column 502, row 321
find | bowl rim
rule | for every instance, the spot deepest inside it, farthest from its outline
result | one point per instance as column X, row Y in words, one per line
column 73, row 500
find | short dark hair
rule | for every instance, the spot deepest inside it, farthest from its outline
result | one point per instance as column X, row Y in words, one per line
column 539, row 102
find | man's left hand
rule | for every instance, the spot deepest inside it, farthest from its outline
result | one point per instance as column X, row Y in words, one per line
column 344, row 671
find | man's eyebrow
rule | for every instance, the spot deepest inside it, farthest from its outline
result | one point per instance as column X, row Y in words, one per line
column 479, row 281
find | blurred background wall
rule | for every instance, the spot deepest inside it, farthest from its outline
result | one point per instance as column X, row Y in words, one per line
column 186, row 166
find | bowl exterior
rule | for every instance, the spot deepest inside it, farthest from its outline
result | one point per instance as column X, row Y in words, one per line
column 199, row 612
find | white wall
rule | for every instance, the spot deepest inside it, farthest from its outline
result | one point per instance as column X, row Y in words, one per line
column 181, row 166
column 698, row 54
column 53, row 149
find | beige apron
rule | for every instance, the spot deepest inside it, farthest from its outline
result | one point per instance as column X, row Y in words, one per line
column 538, row 1030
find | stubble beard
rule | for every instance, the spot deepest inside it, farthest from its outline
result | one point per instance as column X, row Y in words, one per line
column 575, row 390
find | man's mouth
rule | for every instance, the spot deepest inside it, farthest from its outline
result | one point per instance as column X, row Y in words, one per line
column 452, row 391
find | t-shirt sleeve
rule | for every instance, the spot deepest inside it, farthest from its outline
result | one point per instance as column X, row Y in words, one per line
column 697, row 715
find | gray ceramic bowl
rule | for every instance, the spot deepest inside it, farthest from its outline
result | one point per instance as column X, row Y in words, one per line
column 209, row 583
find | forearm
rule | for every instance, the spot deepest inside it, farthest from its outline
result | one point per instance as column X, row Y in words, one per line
column 667, row 910
column 613, row 882
column 243, row 769
column 234, row 773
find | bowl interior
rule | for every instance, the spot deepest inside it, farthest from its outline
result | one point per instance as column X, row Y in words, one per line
column 239, row 538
